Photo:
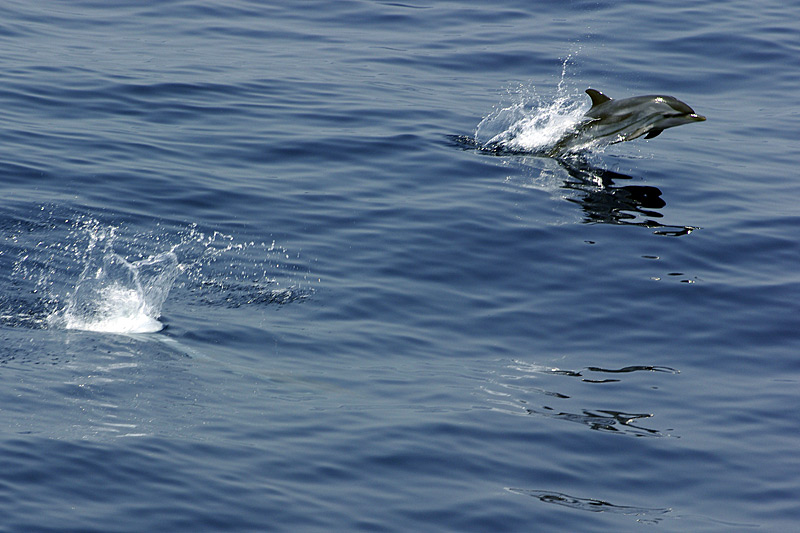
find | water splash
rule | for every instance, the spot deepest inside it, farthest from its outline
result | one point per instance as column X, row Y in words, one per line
column 114, row 295
column 62, row 269
column 532, row 124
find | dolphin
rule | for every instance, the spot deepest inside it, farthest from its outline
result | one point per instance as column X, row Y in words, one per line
column 612, row 121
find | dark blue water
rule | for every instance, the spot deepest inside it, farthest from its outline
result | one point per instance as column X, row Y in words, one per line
column 251, row 281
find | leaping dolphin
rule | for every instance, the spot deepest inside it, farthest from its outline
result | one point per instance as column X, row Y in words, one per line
column 612, row 121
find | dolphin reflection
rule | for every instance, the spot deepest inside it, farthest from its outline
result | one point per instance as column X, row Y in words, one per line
column 604, row 202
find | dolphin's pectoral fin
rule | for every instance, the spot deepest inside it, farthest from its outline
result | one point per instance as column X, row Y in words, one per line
column 597, row 97
column 653, row 133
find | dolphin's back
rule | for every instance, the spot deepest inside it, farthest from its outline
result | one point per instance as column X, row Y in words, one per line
column 603, row 105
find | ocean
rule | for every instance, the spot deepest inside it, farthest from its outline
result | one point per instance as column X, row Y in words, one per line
column 259, row 272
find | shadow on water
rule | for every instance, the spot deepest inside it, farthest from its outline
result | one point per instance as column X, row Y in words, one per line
column 602, row 200
column 517, row 390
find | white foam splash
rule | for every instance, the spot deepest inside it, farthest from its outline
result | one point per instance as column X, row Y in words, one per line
column 533, row 127
column 531, row 124
column 117, row 310
column 114, row 295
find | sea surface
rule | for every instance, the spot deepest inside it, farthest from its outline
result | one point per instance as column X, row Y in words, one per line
column 258, row 274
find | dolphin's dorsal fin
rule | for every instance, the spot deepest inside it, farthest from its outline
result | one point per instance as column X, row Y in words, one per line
column 597, row 97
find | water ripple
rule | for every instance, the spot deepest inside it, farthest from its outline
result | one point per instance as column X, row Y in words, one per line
column 515, row 393
column 643, row 514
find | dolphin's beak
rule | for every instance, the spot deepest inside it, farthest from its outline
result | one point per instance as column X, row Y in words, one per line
column 696, row 117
